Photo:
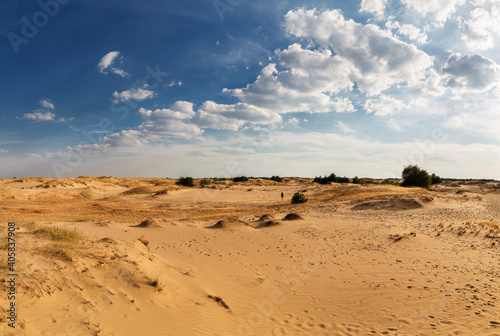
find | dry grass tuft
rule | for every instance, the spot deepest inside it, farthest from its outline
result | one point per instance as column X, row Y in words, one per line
column 398, row 237
column 58, row 233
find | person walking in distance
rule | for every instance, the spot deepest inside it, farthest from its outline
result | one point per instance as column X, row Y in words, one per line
column 282, row 195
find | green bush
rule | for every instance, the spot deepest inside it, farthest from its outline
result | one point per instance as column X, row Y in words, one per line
column 276, row 178
column 389, row 181
column 414, row 176
column 436, row 179
column 326, row 179
column 185, row 181
column 343, row 180
column 240, row 179
column 357, row 180
column 298, row 198
column 204, row 182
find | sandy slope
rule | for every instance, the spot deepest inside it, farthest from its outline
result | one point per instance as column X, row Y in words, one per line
column 364, row 260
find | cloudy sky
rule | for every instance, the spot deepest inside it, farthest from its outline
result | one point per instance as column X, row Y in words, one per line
column 231, row 87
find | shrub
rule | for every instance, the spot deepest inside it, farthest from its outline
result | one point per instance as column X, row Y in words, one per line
column 240, row 179
column 59, row 233
column 204, row 182
column 298, row 198
column 436, row 179
column 185, row 181
column 343, row 180
column 325, row 179
column 414, row 176
column 357, row 180
column 276, row 178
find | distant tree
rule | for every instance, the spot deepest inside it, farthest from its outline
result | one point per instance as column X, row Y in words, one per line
column 204, row 182
column 326, row 179
column 389, row 181
column 414, row 176
column 298, row 198
column 276, row 178
column 332, row 178
column 185, row 181
column 240, row 179
column 436, row 179
column 357, row 180
column 343, row 180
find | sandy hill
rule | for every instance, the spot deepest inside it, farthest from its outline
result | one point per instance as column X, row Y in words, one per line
column 144, row 256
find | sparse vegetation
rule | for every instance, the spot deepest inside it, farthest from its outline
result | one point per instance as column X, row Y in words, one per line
column 276, row 178
column 343, row 179
column 326, row 179
column 185, row 181
column 240, row 179
column 357, row 180
column 58, row 233
column 436, row 179
column 298, row 198
column 414, row 176
column 204, row 182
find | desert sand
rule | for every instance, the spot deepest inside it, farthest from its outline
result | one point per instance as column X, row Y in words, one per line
column 144, row 256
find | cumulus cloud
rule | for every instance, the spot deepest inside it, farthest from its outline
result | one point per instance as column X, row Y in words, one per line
column 233, row 116
column 438, row 11
column 412, row 32
column 305, row 86
column 132, row 94
column 479, row 31
column 385, row 105
column 107, row 61
column 378, row 60
column 45, row 113
column 172, row 122
column 376, row 7
column 471, row 72
column 40, row 116
column 179, row 110
column 47, row 103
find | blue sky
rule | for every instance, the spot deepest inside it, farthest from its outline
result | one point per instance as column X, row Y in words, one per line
column 232, row 87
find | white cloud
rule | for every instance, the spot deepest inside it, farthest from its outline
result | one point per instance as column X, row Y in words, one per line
column 47, row 103
column 471, row 72
column 344, row 128
column 412, row 32
column 40, row 116
column 107, row 61
column 4, row 151
column 306, row 85
column 379, row 60
column 438, row 11
column 233, row 116
column 480, row 30
column 45, row 113
column 125, row 138
column 376, row 7
column 385, row 105
column 172, row 122
column 392, row 124
column 179, row 110
column 132, row 94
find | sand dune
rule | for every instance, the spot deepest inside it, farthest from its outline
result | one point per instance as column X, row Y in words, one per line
column 353, row 260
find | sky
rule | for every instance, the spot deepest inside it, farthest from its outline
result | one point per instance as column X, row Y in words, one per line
column 236, row 87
